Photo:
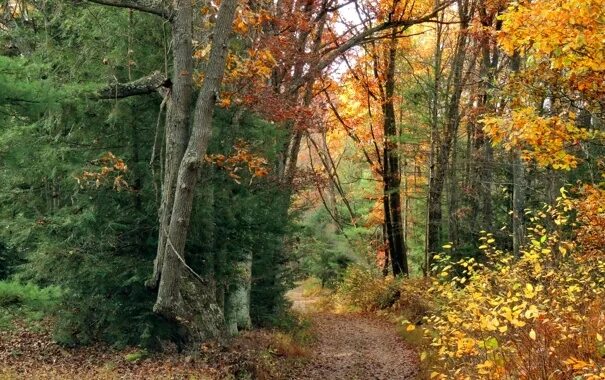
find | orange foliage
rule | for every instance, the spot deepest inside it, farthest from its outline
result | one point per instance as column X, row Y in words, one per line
column 112, row 169
column 242, row 157
column 591, row 217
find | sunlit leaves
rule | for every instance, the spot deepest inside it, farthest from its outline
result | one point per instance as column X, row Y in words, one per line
column 545, row 307
column 560, row 46
column 569, row 34
column 548, row 140
column 111, row 170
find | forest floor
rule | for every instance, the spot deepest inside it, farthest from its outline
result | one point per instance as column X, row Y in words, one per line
column 32, row 354
column 351, row 346
column 327, row 346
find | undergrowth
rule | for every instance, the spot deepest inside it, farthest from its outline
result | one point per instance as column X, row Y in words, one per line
column 285, row 347
column 311, row 287
column 293, row 335
column 538, row 316
column 25, row 304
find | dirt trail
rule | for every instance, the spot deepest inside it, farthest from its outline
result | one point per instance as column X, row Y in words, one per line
column 353, row 347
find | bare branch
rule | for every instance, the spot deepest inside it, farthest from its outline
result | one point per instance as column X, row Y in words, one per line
column 142, row 86
column 156, row 7
column 360, row 38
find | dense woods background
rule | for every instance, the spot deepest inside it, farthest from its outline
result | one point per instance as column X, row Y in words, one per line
column 168, row 170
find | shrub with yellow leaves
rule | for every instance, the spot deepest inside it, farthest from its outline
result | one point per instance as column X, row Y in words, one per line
column 365, row 289
column 496, row 316
column 540, row 316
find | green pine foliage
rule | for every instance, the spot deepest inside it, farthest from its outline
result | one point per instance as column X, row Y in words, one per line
column 323, row 253
column 79, row 196
column 25, row 302
column 96, row 243
column 248, row 217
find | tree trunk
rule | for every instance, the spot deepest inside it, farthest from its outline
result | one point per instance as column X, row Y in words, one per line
column 177, row 124
column 518, row 204
column 444, row 144
column 453, row 219
column 519, row 184
column 483, row 185
column 182, row 296
column 392, row 175
column 433, row 208
column 237, row 303
column 385, row 244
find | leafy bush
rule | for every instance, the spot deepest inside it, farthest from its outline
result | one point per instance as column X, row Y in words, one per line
column 365, row 289
column 492, row 315
column 368, row 290
column 539, row 316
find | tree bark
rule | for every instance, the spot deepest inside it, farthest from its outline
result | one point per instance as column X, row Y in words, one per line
column 483, row 159
column 141, row 86
column 182, row 296
column 453, row 218
column 237, row 303
column 177, row 124
column 444, row 144
column 519, row 185
column 392, row 174
column 433, row 213
column 518, row 204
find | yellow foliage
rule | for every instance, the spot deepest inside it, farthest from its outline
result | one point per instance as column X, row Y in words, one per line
column 546, row 139
column 562, row 46
column 545, row 317
column 495, row 316
column 569, row 34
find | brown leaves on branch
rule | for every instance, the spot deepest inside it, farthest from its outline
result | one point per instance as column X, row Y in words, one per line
column 242, row 158
column 591, row 217
column 111, row 171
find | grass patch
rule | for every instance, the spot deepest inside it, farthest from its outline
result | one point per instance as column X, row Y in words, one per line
column 288, row 346
column 293, row 337
column 25, row 303
column 311, row 287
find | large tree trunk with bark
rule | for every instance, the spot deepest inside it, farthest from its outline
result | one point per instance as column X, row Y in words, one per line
column 177, row 124
column 183, row 296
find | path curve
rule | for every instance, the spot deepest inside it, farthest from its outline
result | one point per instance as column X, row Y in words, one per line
column 353, row 347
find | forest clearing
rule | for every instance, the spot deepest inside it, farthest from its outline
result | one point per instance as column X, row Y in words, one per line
column 302, row 189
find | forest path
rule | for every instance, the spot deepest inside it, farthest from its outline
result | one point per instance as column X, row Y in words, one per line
column 352, row 346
